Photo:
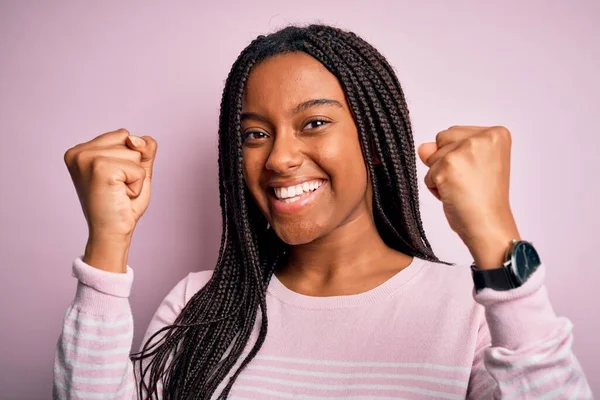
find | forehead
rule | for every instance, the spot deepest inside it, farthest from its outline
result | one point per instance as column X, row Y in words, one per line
column 283, row 81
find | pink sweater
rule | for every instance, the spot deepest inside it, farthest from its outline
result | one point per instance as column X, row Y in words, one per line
column 422, row 334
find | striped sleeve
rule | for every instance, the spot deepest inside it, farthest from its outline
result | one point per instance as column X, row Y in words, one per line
column 92, row 358
column 92, row 354
column 524, row 349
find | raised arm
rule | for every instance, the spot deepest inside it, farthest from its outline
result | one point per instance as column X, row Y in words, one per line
column 524, row 349
column 93, row 352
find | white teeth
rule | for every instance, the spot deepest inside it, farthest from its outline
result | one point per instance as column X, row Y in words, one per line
column 292, row 193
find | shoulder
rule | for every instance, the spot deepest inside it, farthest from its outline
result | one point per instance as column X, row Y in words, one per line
column 456, row 272
column 447, row 291
column 451, row 283
column 175, row 301
column 193, row 282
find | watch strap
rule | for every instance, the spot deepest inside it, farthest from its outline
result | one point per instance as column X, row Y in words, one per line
column 497, row 279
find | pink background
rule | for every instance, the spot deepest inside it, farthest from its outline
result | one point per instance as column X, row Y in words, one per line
column 72, row 70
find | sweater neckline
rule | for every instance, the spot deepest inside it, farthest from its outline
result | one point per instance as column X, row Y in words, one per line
column 281, row 292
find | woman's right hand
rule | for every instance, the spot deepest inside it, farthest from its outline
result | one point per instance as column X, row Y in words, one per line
column 112, row 176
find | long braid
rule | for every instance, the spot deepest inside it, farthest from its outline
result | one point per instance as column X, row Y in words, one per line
column 379, row 62
column 192, row 357
column 377, row 115
column 385, row 112
column 352, row 85
column 249, row 237
column 387, row 87
column 361, row 109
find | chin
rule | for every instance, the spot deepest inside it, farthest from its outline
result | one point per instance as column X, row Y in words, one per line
column 299, row 233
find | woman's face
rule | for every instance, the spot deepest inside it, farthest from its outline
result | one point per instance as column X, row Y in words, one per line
column 303, row 162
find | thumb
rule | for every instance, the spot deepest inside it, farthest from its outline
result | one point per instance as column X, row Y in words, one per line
column 426, row 150
column 136, row 141
column 147, row 146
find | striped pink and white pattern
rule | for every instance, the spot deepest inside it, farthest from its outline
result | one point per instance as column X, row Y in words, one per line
column 270, row 377
column 93, row 356
column 420, row 335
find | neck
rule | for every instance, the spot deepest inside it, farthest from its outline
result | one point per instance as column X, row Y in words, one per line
column 350, row 259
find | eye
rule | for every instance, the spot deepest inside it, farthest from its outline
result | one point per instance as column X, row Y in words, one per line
column 253, row 135
column 316, row 123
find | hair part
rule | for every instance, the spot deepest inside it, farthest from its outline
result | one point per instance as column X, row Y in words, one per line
column 193, row 356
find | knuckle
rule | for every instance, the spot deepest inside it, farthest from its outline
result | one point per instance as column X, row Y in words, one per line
column 439, row 136
column 100, row 165
column 473, row 144
column 437, row 179
column 79, row 158
column 502, row 130
column 71, row 155
column 428, row 176
column 500, row 133
column 449, row 161
column 68, row 156
column 76, row 159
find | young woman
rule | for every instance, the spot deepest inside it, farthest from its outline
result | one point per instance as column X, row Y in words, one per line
column 326, row 286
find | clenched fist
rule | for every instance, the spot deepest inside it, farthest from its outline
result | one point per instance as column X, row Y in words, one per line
column 469, row 172
column 112, row 175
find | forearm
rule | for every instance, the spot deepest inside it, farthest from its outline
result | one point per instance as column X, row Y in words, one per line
column 107, row 253
column 92, row 354
column 530, row 353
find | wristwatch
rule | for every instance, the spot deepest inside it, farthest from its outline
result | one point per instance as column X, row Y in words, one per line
column 520, row 262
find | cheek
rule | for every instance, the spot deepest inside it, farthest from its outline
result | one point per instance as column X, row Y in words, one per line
column 345, row 164
column 252, row 172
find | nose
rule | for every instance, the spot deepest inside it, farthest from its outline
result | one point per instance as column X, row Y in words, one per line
column 285, row 155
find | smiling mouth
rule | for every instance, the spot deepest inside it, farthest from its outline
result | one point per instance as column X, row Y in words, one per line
column 291, row 194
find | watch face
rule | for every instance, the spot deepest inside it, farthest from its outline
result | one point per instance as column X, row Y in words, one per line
column 525, row 260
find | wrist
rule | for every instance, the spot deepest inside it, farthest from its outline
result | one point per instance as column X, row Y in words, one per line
column 107, row 253
column 490, row 252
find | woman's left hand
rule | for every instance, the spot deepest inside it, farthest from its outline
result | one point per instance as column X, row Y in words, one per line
column 469, row 172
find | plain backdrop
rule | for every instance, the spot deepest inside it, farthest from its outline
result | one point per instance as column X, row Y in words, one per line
column 72, row 70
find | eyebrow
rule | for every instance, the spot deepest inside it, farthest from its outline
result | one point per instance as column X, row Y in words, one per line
column 314, row 103
column 305, row 105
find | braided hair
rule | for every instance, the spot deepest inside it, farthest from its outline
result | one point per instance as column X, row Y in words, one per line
column 193, row 356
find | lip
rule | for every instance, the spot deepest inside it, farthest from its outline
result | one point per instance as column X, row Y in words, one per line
column 289, row 208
